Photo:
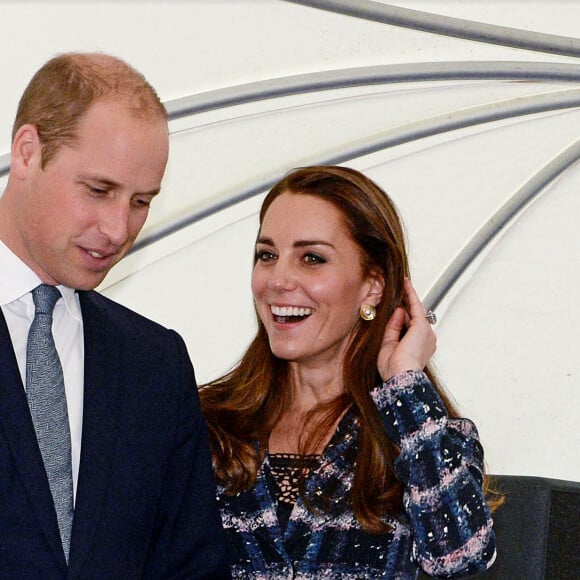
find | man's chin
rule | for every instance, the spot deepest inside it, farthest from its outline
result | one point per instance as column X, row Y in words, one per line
column 87, row 281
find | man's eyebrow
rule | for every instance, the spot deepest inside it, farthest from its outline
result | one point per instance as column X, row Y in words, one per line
column 152, row 193
column 110, row 183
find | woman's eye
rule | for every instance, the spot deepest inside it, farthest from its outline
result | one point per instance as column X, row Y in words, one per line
column 264, row 256
column 314, row 259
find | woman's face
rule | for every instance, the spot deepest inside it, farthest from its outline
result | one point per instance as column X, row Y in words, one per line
column 308, row 282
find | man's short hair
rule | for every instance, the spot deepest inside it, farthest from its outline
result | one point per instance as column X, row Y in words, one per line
column 62, row 90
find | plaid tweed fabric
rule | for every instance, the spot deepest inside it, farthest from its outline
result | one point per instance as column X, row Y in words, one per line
column 446, row 529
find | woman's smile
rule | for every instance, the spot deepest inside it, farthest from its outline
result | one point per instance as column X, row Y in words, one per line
column 308, row 282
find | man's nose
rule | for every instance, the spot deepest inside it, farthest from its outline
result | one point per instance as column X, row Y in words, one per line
column 114, row 222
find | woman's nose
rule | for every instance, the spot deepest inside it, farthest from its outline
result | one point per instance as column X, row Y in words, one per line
column 281, row 279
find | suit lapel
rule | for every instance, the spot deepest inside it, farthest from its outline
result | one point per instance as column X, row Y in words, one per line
column 100, row 426
column 16, row 423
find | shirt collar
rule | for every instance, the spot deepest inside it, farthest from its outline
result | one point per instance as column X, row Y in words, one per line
column 18, row 280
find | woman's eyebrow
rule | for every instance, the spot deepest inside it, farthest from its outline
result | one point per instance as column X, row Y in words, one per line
column 298, row 244
column 303, row 243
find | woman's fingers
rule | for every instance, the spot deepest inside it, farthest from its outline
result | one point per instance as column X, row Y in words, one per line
column 414, row 304
column 391, row 341
column 395, row 325
column 415, row 348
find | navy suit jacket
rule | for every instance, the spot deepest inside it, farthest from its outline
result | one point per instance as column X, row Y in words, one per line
column 145, row 503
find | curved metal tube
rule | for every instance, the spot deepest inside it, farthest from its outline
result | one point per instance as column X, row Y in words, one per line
column 392, row 74
column 370, row 75
column 497, row 222
column 411, row 132
column 4, row 164
column 362, row 76
column 449, row 26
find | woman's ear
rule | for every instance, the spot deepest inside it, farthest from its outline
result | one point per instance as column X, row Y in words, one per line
column 377, row 286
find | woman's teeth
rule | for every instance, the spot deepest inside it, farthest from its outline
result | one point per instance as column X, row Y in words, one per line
column 290, row 311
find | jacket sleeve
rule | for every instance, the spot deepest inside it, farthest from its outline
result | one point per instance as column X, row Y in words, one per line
column 441, row 466
column 189, row 540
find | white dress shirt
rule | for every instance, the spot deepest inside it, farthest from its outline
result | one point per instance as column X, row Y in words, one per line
column 17, row 281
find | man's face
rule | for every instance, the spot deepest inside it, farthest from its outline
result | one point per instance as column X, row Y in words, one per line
column 81, row 214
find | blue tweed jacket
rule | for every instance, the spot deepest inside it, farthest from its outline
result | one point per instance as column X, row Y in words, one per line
column 446, row 529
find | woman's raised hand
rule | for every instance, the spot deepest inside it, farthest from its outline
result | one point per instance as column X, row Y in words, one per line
column 413, row 350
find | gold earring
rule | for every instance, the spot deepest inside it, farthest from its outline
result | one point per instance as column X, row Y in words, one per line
column 367, row 312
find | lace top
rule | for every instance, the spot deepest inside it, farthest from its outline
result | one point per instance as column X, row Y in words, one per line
column 286, row 469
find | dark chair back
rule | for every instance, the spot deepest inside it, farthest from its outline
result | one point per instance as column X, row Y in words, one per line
column 537, row 530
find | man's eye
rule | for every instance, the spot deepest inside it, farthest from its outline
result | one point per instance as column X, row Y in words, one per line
column 95, row 190
column 142, row 202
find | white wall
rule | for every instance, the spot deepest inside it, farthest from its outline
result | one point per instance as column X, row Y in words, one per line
column 508, row 334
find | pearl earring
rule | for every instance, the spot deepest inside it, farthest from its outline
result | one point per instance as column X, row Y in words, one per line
column 367, row 312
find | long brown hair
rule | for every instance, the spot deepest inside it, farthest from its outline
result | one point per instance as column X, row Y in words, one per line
column 243, row 406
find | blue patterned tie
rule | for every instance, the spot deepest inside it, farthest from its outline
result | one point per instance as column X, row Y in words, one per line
column 47, row 401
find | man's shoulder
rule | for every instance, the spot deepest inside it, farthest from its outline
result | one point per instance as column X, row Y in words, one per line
column 96, row 304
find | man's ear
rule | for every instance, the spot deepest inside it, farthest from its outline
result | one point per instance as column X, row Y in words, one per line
column 26, row 151
column 377, row 287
